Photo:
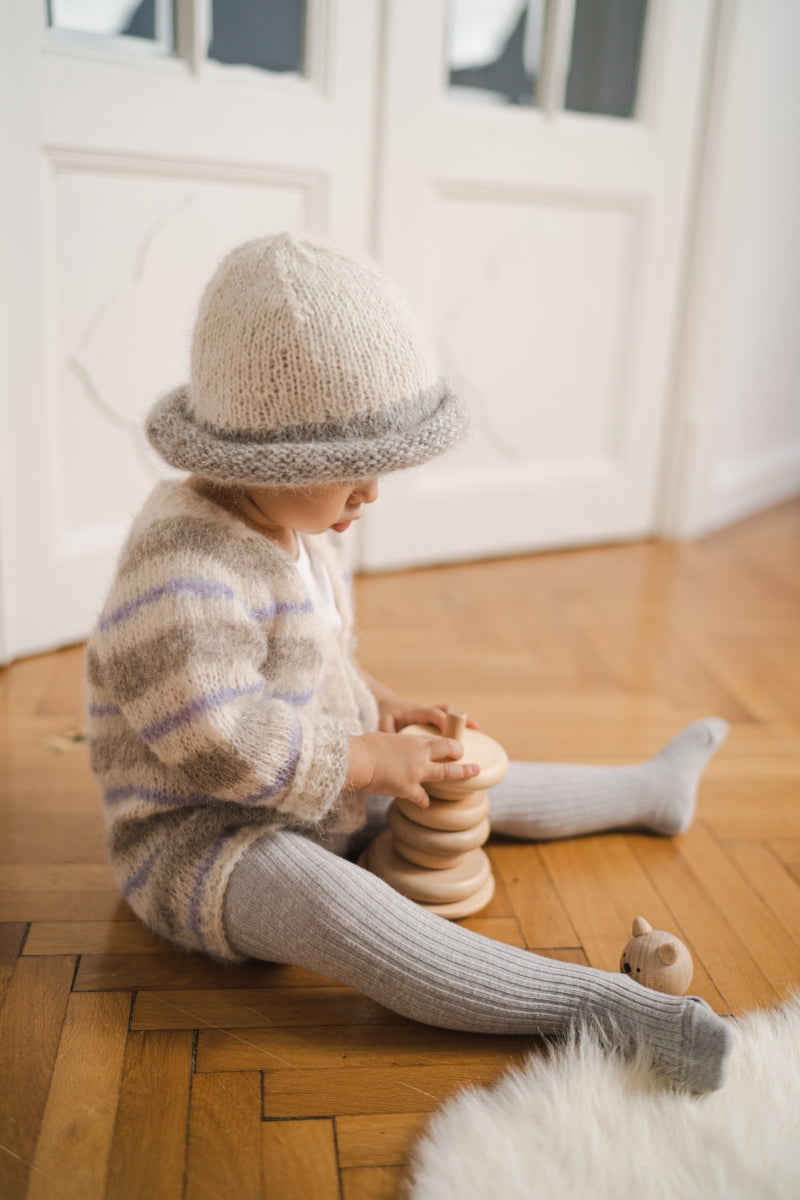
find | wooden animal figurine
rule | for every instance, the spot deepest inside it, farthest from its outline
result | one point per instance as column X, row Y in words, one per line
column 657, row 960
column 433, row 855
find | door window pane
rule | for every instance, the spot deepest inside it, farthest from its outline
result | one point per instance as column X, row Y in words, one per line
column 493, row 49
column 494, row 52
column 269, row 34
column 606, row 52
column 149, row 20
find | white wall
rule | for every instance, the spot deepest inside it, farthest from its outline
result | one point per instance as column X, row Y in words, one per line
column 737, row 447
column 757, row 457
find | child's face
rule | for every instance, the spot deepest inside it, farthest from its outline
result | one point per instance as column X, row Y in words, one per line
column 314, row 509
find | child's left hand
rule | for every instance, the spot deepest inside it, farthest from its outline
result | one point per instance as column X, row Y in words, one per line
column 395, row 714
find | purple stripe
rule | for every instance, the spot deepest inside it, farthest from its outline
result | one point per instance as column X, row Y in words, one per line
column 190, row 712
column 206, row 589
column 104, row 710
column 298, row 699
column 155, row 796
column 197, row 896
column 140, row 877
column 280, row 608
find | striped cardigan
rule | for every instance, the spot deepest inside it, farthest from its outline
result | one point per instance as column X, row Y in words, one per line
column 219, row 706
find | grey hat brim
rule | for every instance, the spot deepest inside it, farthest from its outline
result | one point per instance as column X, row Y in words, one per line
column 340, row 451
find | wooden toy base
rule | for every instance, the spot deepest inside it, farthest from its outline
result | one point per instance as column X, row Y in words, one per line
column 464, row 908
column 457, row 891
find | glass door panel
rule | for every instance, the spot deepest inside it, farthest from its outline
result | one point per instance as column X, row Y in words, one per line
column 606, row 53
column 268, row 34
column 493, row 50
column 580, row 55
column 130, row 24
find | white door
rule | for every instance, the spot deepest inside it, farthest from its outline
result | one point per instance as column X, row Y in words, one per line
column 138, row 146
column 536, row 162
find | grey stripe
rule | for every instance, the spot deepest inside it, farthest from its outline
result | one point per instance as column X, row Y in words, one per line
column 400, row 418
column 134, row 837
column 337, row 454
column 291, row 655
column 94, row 671
column 125, row 752
column 251, row 557
column 212, row 770
column 131, row 673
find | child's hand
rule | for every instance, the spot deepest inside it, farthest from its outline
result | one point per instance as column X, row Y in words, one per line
column 395, row 714
column 389, row 764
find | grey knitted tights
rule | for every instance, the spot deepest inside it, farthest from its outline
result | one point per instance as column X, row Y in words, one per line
column 292, row 900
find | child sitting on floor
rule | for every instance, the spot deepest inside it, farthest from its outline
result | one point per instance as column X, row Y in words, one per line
column 241, row 751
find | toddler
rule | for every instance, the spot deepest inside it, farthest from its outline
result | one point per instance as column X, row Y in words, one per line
column 242, row 753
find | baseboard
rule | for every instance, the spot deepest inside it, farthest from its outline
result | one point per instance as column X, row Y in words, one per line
column 742, row 488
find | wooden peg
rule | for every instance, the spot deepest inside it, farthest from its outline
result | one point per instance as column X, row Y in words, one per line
column 455, row 723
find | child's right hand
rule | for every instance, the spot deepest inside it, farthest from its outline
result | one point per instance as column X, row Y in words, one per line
column 394, row 764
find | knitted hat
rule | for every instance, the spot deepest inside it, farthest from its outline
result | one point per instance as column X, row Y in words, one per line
column 306, row 367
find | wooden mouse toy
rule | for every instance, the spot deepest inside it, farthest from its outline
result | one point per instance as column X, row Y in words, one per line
column 657, row 960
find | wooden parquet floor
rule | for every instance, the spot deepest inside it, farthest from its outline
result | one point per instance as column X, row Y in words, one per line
column 128, row 1070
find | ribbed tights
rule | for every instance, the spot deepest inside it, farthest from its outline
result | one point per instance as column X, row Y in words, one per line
column 291, row 900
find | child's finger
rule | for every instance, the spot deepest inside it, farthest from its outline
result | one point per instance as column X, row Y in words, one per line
column 441, row 748
column 444, row 707
column 424, row 716
column 451, row 772
column 419, row 797
column 449, row 748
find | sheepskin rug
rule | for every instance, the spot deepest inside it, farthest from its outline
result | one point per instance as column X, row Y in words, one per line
column 577, row 1123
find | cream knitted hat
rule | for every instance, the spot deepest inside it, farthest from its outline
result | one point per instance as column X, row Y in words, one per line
column 306, row 367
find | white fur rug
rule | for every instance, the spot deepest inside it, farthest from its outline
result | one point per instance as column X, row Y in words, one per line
column 579, row 1124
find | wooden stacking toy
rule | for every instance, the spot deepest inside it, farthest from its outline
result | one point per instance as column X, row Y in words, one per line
column 433, row 855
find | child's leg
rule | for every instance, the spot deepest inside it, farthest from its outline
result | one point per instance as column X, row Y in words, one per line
column 291, row 901
column 540, row 801
column 546, row 800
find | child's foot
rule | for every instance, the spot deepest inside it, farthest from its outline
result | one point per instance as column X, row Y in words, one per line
column 700, row 1062
column 671, row 778
column 680, row 1036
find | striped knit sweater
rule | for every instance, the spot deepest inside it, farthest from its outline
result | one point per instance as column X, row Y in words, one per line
column 219, row 708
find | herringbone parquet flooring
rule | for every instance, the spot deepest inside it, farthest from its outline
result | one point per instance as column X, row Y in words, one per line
column 128, row 1070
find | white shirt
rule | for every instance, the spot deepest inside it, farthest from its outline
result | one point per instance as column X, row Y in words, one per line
column 318, row 582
